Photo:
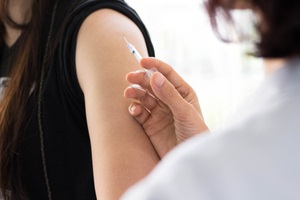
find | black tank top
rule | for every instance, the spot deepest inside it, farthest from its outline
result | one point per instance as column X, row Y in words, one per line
column 66, row 138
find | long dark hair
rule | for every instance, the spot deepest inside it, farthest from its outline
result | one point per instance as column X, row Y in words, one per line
column 25, row 71
column 279, row 33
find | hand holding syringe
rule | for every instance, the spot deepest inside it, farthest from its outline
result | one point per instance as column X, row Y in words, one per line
column 138, row 57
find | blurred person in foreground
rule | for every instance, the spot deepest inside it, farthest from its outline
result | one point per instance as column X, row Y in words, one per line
column 256, row 155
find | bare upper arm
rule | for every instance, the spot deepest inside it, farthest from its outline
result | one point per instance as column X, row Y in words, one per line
column 122, row 153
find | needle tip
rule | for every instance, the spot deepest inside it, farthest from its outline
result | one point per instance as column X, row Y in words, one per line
column 125, row 40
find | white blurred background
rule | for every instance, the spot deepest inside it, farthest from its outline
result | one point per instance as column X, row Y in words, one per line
column 223, row 75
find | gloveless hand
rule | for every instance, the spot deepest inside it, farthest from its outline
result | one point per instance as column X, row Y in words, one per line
column 166, row 106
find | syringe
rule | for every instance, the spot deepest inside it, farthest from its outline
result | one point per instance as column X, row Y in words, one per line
column 138, row 57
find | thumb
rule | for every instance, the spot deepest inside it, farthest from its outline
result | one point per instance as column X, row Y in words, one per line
column 168, row 94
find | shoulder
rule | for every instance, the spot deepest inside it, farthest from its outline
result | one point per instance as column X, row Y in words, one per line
column 98, row 16
column 107, row 26
column 100, row 44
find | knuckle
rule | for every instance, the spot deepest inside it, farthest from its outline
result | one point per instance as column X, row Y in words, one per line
column 186, row 91
column 172, row 92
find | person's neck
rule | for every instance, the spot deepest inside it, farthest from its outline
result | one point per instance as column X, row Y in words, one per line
column 19, row 11
column 272, row 65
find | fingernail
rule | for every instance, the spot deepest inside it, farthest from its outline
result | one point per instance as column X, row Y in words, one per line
column 132, row 108
column 136, row 86
column 138, row 71
column 158, row 79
